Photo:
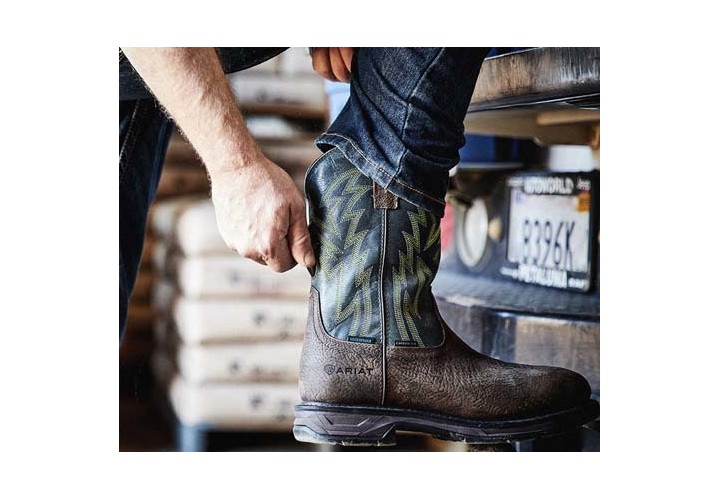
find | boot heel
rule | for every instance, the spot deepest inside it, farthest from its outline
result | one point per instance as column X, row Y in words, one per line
column 347, row 426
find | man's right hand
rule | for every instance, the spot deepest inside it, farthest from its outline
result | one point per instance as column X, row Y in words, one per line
column 261, row 214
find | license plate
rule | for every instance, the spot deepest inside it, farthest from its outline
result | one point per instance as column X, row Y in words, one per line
column 549, row 231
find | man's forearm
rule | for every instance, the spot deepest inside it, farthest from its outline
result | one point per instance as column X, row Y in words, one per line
column 191, row 85
column 260, row 211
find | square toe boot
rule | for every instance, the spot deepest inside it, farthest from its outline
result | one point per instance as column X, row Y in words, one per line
column 378, row 358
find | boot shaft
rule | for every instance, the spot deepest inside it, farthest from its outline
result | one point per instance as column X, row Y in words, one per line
column 377, row 256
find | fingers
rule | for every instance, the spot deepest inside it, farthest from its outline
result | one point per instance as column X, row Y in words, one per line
column 333, row 63
column 321, row 63
column 273, row 247
column 263, row 217
column 278, row 258
column 299, row 239
column 255, row 258
column 339, row 67
column 295, row 246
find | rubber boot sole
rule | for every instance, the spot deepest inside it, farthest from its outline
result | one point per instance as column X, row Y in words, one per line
column 376, row 426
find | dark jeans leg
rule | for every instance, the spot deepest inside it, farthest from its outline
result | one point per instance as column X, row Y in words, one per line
column 403, row 124
column 144, row 135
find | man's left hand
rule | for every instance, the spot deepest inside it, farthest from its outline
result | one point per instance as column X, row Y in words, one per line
column 333, row 63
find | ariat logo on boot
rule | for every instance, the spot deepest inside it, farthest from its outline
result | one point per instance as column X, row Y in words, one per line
column 347, row 370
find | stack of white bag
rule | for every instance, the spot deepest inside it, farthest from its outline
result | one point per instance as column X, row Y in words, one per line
column 228, row 331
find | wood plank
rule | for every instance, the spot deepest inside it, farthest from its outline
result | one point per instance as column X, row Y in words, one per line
column 542, row 74
column 522, row 123
column 568, row 116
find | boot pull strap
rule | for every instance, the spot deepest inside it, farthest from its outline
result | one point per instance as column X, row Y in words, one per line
column 383, row 198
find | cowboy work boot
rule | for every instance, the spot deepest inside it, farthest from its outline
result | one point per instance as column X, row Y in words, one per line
column 377, row 356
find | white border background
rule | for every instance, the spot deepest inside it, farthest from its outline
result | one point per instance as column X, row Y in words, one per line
column 59, row 217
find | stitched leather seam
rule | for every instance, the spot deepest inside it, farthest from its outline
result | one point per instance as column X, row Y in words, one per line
column 324, row 337
column 439, row 318
column 314, row 164
column 424, row 352
column 383, row 333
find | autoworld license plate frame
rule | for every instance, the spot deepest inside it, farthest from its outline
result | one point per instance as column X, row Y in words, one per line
column 552, row 224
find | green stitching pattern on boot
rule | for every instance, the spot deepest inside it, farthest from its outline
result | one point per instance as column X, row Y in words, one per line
column 347, row 234
column 342, row 220
column 411, row 278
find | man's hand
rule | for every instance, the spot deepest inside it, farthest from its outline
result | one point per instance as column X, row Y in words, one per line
column 261, row 214
column 333, row 63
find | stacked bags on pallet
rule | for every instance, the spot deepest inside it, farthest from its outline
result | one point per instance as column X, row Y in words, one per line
column 182, row 174
column 228, row 331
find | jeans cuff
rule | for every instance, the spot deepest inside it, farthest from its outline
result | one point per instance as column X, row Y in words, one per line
column 390, row 181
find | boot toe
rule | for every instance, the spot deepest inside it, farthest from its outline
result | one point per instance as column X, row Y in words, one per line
column 564, row 389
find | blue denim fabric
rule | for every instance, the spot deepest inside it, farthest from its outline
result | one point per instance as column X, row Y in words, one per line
column 403, row 123
column 144, row 135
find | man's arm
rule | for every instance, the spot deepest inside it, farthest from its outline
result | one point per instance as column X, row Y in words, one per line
column 260, row 212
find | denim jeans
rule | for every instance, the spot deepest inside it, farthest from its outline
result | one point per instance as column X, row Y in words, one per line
column 402, row 127
column 403, row 123
column 144, row 135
